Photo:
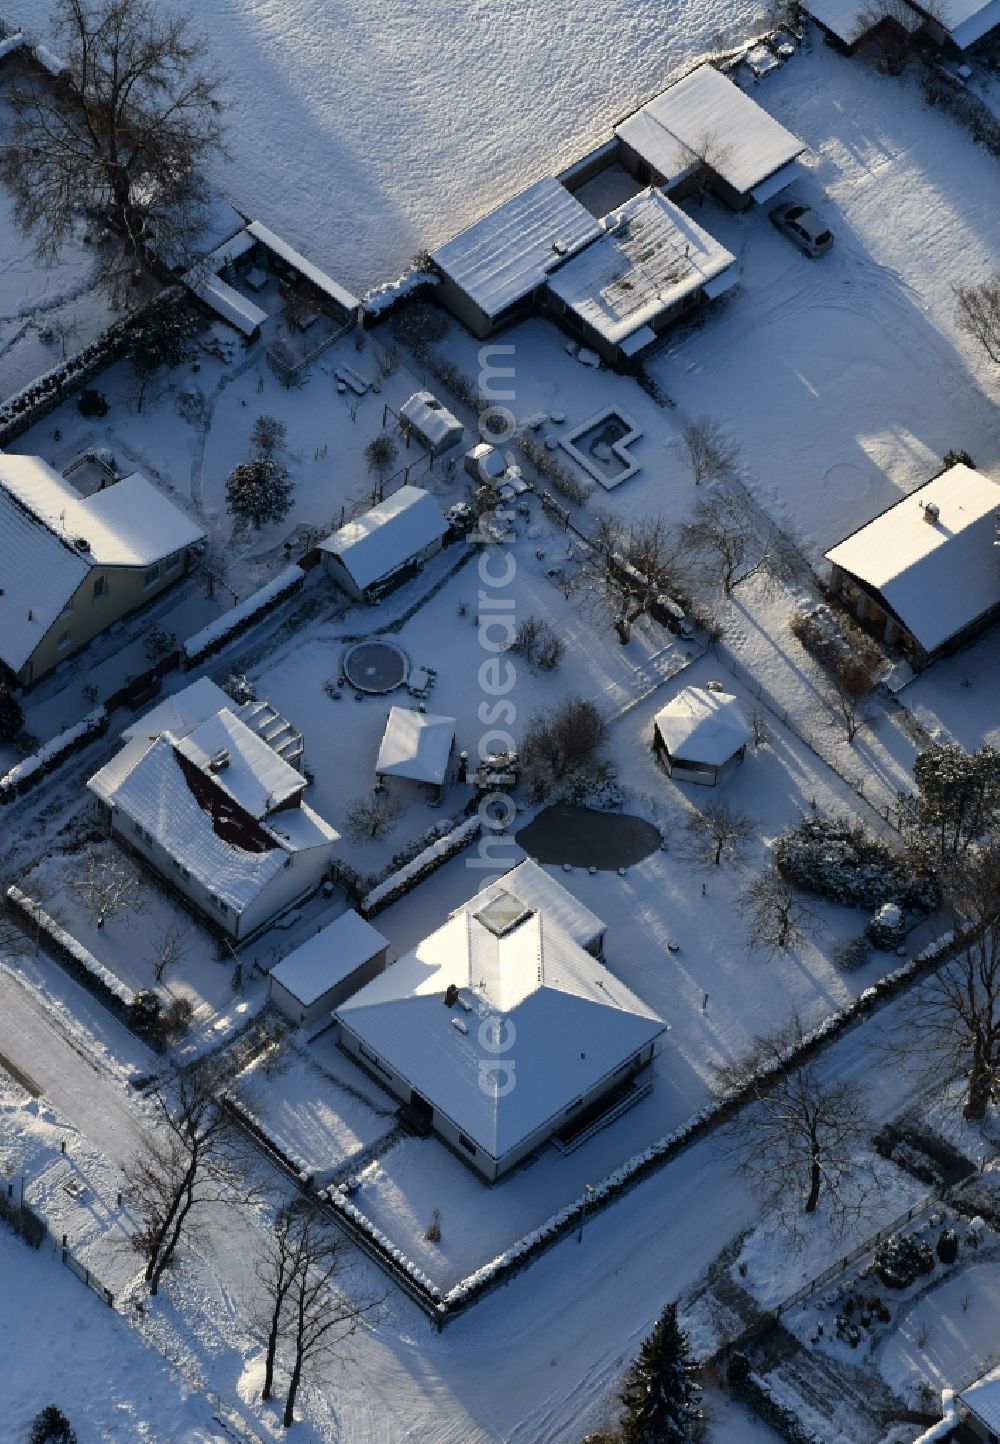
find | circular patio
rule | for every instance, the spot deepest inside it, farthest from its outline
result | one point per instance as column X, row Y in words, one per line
column 375, row 666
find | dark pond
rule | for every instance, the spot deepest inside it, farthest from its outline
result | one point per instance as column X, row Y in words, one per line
column 586, row 838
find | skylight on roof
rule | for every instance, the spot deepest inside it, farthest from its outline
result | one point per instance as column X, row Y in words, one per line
column 503, row 914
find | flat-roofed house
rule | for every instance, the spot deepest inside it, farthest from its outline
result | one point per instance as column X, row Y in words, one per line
column 493, row 272
column 652, row 265
column 385, row 546
column 499, row 969
column 218, row 812
column 706, row 121
column 924, row 573
column 72, row 565
column 321, row 974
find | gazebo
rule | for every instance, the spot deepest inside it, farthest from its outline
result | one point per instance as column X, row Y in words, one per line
column 417, row 747
column 701, row 735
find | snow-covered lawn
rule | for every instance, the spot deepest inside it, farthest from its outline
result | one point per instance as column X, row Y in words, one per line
column 948, row 1336
column 958, row 699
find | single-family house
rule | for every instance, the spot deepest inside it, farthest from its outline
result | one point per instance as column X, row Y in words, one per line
column 652, row 265
column 492, row 273
column 417, row 747
column 434, row 426
column 385, row 546
column 538, row 889
column 705, row 122
column 701, row 735
column 924, row 572
column 217, row 811
column 72, row 565
column 321, row 974
column 979, row 1408
column 438, row 1029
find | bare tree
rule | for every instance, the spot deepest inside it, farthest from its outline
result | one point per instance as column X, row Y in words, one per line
column 372, row 817
column 267, row 435
column 123, row 133
column 801, row 1137
column 710, row 452
column 952, row 1024
column 188, row 1161
column 716, row 832
column 849, row 688
column 977, row 313
column 107, row 886
column 320, row 1314
column 380, row 456
column 280, row 1260
column 169, row 949
column 539, row 644
column 889, row 26
column 626, row 567
column 726, row 538
column 558, row 742
column 775, row 913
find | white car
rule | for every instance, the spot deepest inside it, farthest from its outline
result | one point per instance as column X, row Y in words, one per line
column 808, row 230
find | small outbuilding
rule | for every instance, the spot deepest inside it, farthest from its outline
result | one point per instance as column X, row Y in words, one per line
column 434, row 426
column 325, row 971
column 387, row 545
column 701, row 735
column 416, row 746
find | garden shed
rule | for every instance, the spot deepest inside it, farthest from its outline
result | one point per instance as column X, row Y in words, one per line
column 701, row 735
column 434, row 426
column 386, row 545
column 416, row 746
column 323, row 973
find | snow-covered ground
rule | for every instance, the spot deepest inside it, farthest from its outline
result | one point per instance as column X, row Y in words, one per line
column 365, row 133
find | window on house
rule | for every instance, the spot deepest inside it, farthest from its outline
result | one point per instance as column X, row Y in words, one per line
column 152, row 576
column 172, row 563
column 466, row 1143
column 64, row 640
column 100, row 588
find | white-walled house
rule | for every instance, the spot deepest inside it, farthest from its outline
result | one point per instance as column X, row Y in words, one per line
column 217, row 812
column 434, row 1028
column 386, row 545
column 321, row 974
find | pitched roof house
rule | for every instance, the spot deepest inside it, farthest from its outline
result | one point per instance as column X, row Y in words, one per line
column 218, row 812
column 437, row 1027
column 386, row 544
column 71, row 565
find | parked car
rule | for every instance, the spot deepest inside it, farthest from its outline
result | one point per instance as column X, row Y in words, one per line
column 808, row 230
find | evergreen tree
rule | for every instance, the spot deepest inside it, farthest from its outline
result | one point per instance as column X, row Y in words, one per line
column 51, row 1427
column 259, row 491
column 160, row 337
column 661, row 1399
column 11, row 716
column 957, row 802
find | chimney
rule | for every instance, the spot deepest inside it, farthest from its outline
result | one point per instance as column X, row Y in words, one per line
column 451, row 996
column 219, row 760
column 932, row 512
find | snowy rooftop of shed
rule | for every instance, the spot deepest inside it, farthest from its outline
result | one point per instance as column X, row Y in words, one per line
column 937, row 576
column 849, row 20
column 701, row 725
column 707, row 115
column 431, row 421
column 983, row 1399
column 306, row 269
column 253, row 775
column 651, row 256
column 416, row 745
column 576, row 1024
column 329, row 957
column 968, row 20
column 537, row 889
column 507, row 254
column 375, row 544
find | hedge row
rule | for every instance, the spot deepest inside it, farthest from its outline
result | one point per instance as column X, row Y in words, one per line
column 79, row 961
column 425, row 862
column 754, row 1392
column 30, row 770
column 242, row 617
column 25, row 407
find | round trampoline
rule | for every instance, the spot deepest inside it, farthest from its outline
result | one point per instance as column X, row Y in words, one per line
column 375, row 666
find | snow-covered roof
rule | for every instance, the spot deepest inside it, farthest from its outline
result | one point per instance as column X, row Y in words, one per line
column 375, row 544
column 232, row 854
column 983, row 1399
column 415, row 745
column 433, row 423
column 575, row 1022
column 181, row 713
column 507, row 254
column 44, row 521
column 706, row 115
column 937, row 576
column 651, row 256
column 305, row 268
column 538, row 889
column 329, row 957
column 231, row 304
column 253, row 774
column 850, row 20
column 967, row 21
column 701, row 725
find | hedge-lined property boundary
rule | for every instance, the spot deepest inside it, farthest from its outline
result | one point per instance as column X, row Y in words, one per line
column 20, row 411
column 30, row 770
column 241, row 617
column 427, row 861
column 77, row 959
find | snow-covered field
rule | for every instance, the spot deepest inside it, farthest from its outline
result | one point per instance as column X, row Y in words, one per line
column 365, row 133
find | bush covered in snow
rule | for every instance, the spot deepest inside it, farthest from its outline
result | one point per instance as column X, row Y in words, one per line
column 838, row 859
column 243, row 616
column 753, row 1390
column 33, row 768
column 901, row 1259
column 886, row 928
